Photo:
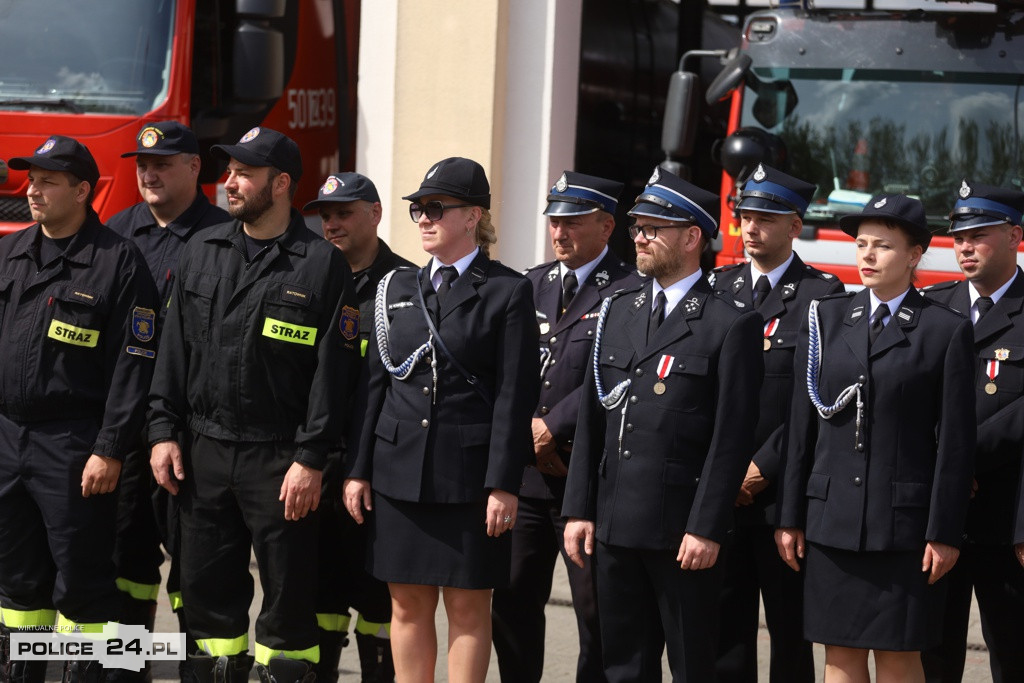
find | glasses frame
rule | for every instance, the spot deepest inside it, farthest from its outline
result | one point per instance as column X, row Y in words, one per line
column 432, row 206
column 638, row 229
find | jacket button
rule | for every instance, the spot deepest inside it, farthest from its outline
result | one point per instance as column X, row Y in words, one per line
column 553, row 361
column 547, row 384
column 544, row 410
column 639, row 372
column 860, row 448
column 629, row 428
column 552, row 340
column 857, row 481
column 862, row 379
column 590, row 333
column 633, row 399
column 611, row 358
column 696, row 480
column 627, row 455
column 425, row 423
column 426, row 391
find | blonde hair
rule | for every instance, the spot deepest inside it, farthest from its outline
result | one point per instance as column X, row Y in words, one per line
column 486, row 235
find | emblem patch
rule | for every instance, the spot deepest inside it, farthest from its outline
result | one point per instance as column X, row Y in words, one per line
column 738, row 284
column 330, row 185
column 46, row 146
column 692, row 304
column 639, row 301
column 1002, row 354
column 965, row 190
column 251, row 135
column 76, row 336
column 430, row 174
column 857, row 312
column 562, row 184
column 149, row 136
column 655, row 177
column 759, row 174
column 880, row 203
column 143, row 323
column 139, row 351
column 349, row 322
column 290, row 332
column 602, row 278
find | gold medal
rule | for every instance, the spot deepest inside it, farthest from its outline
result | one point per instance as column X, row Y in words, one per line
column 990, row 388
column 768, row 345
column 659, row 387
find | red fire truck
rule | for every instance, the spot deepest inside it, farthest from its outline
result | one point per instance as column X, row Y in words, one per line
column 99, row 71
column 864, row 101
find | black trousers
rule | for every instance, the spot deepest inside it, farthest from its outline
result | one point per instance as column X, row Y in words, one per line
column 230, row 504
column 754, row 571
column 137, row 553
column 55, row 545
column 645, row 602
column 997, row 579
column 518, row 611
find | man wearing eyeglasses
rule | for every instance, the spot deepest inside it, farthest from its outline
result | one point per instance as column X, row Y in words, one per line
column 661, row 444
column 567, row 295
column 780, row 287
column 350, row 211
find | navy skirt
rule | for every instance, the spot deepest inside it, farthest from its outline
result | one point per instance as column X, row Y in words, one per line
column 436, row 544
column 879, row 600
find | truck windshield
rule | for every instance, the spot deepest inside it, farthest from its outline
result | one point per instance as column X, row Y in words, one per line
column 857, row 131
column 109, row 57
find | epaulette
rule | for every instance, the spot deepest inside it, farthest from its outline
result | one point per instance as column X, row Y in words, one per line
column 828, row 277
column 940, row 286
column 836, row 295
column 540, row 265
column 727, row 267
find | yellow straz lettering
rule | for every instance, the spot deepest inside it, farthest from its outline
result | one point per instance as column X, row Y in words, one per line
column 282, row 331
column 69, row 334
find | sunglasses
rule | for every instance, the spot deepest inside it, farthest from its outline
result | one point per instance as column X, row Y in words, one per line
column 433, row 210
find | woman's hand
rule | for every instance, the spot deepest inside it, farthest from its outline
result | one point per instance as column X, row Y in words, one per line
column 938, row 558
column 502, row 507
column 790, row 542
column 357, row 497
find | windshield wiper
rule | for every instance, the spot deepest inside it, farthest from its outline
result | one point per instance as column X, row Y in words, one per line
column 61, row 103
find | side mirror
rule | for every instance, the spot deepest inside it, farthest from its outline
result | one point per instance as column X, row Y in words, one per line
column 728, row 79
column 679, row 128
column 258, row 66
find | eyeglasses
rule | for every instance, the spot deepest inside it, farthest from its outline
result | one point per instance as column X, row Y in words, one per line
column 434, row 210
column 650, row 232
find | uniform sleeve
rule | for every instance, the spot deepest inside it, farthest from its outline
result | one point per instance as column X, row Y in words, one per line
column 561, row 417
column 798, row 448
column 1018, row 524
column 1001, row 437
column 516, row 392
column 372, row 391
column 168, row 404
column 332, row 390
column 954, row 463
column 740, row 371
column 580, row 499
column 128, row 356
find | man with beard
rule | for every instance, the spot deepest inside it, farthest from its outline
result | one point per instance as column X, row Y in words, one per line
column 986, row 230
column 660, row 449
column 172, row 210
column 259, row 356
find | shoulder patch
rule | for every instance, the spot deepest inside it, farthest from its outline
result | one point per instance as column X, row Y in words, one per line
column 349, row 322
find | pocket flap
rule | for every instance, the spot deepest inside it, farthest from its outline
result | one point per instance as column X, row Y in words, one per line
column 201, row 287
column 690, row 365
column 296, row 295
column 386, row 428
column 475, row 435
column 1002, row 351
column 616, row 358
column 910, row 494
column 817, row 485
column 78, row 295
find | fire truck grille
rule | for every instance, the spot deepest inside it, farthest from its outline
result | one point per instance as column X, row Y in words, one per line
column 14, row 210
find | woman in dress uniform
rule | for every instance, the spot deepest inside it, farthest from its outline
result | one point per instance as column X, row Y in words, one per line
column 454, row 379
column 879, row 459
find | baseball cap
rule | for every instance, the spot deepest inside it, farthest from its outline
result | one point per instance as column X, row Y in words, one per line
column 60, row 153
column 344, row 187
column 165, row 138
column 265, row 147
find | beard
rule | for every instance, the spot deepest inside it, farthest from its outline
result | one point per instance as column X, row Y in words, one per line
column 250, row 210
column 660, row 264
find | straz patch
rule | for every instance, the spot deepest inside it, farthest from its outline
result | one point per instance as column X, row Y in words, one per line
column 349, row 322
column 289, row 332
column 76, row 336
column 143, row 323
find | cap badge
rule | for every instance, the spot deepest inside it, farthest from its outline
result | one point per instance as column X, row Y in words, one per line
column 431, row 173
column 251, row 135
column 562, row 184
column 965, row 190
column 330, row 185
column 602, row 278
column 149, row 137
column 1002, row 354
column 759, row 174
column 47, row 146
column 655, row 177
column 880, row 203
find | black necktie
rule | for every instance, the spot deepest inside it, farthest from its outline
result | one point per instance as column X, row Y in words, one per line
column 875, row 328
column 657, row 315
column 761, row 289
column 569, row 285
column 985, row 305
column 448, row 275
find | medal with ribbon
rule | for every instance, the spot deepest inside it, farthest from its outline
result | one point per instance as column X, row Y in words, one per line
column 992, row 370
column 769, row 330
column 664, row 365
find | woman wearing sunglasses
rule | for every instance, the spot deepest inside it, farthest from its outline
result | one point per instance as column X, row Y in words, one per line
column 879, row 460
column 453, row 383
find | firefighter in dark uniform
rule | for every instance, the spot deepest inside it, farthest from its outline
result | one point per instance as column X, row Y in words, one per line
column 77, row 349
column 172, row 211
column 350, row 211
column 661, row 443
column 258, row 360
column 567, row 294
column 779, row 286
column 879, row 454
column 986, row 231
